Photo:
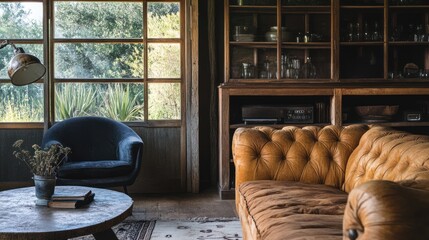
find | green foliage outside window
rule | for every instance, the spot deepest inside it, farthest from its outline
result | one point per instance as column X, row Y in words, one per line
column 115, row 20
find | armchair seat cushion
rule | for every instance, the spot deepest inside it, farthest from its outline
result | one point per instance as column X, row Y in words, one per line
column 94, row 169
column 273, row 206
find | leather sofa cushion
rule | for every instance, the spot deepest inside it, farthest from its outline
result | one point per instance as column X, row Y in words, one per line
column 94, row 169
column 292, row 210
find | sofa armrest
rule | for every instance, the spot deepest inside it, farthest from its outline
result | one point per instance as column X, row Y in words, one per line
column 386, row 210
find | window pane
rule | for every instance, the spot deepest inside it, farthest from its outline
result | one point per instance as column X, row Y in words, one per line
column 123, row 102
column 21, row 104
column 163, row 20
column 164, row 101
column 92, row 60
column 21, row 20
column 164, row 60
column 6, row 55
column 98, row 20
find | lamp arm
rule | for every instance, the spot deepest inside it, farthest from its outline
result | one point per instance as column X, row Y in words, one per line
column 6, row 42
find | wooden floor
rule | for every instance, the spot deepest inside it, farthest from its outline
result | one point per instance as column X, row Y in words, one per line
column 183, row 206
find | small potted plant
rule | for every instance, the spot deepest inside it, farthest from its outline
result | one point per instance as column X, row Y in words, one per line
column 44, row 164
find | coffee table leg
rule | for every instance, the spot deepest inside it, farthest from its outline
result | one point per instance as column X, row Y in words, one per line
column 105, row 235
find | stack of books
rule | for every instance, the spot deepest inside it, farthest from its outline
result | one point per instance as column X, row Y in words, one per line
column 74, row 200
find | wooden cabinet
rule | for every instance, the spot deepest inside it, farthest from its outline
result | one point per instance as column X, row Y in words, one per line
column 332, row 55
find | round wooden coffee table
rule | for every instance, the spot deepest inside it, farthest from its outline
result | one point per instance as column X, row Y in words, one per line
column 21, row 219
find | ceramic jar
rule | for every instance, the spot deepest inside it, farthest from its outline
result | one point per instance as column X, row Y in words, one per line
column 271, row 36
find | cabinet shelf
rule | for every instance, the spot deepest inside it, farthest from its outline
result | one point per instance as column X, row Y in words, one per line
column 277, row 126
column 252, row 9
column 307, row 9
column 409, row 7
column 255, row 44
column 362, row 7
column 361, row 43
column 309, row 45
column 408, row 43
column 385, row 81
column 395, row 124
column 280, row 81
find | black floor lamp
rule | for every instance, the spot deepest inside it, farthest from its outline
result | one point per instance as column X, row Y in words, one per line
column 23, row 68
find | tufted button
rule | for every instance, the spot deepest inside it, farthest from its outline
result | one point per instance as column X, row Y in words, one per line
column 353, row 234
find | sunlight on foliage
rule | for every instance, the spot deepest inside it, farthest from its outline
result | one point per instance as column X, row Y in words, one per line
column 73, row 100
column 120, row 105
column 164, row 101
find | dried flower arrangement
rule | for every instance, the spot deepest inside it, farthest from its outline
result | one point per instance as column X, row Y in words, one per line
column 43, row 162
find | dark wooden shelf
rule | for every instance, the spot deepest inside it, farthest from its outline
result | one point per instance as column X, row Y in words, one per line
column 409, row 6
column 277, row 126
column 307, row 45
column 252, row 9
column 280, row 81
column 307, row 9
column 362, row 7
column 408, row 43
column 375, row 43
column 394, row 124
column 254, row 44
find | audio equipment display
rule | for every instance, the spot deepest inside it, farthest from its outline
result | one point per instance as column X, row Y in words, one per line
column 255, row 114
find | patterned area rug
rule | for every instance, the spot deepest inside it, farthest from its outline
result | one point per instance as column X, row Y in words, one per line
column 175, row 230
column 184, row 230
column 129, row 230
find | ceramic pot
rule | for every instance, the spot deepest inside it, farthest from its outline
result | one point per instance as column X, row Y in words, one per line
column 45, row 188
column 271, row 36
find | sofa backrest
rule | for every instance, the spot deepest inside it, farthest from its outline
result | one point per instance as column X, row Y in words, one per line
column 310, row 154
column 387, row 154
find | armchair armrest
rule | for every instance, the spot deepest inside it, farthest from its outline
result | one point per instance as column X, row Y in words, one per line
column 128, row 149
column 51, row 142
column 386, row 210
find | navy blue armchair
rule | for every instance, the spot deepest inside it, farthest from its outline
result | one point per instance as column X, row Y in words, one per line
column 104, row 152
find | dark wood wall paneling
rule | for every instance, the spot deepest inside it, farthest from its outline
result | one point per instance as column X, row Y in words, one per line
column 12, row 169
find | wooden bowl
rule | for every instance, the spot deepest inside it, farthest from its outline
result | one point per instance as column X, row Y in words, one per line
column 379, row 113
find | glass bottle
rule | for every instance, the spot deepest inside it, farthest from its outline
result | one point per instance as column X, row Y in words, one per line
column 267, row 68
column 308, row 69
column 366, row 36
column 376, row 35
column 247, row 70
column 350, row 34
column 358, row 36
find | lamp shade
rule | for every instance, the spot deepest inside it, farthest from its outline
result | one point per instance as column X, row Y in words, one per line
column 25, row 69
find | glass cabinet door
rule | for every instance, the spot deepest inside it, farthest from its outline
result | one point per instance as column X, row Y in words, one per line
column 286, row 40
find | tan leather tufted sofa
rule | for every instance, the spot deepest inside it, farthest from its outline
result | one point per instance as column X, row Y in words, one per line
column 355, row 182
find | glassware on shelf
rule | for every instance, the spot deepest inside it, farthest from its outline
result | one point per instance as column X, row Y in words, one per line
column 376, row 34
column 247, row 70
column 358, row 36
column 299, row 37
column 350, row 33
column 284, row 67
column 243, row 34
column 243, row 2
column 366, row 34
column 308, row 69
column 419, row 35
column 295, row 67
column 307, row 37
column 267, row 69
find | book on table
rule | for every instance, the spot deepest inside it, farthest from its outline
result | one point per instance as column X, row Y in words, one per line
column 71, row 200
